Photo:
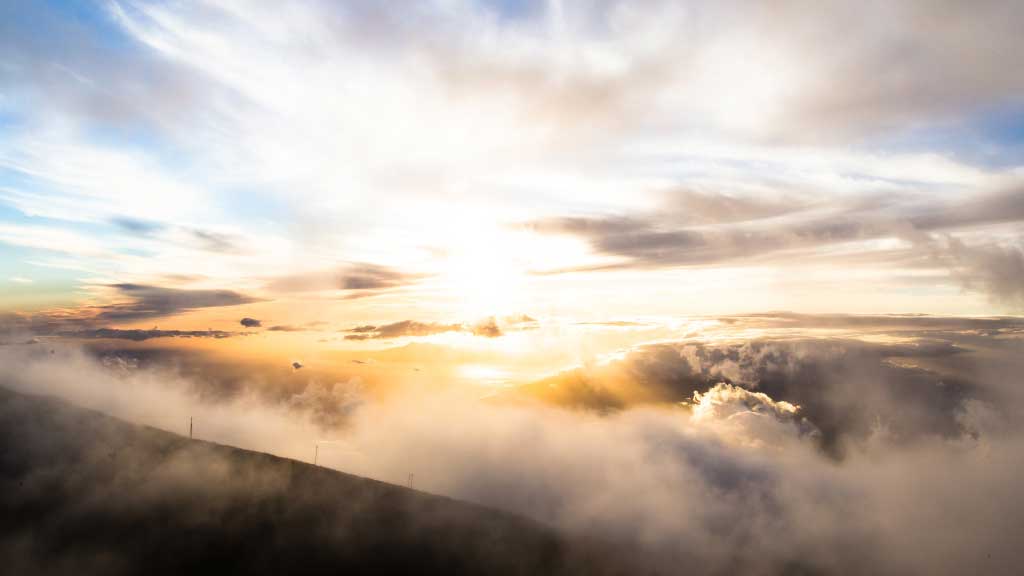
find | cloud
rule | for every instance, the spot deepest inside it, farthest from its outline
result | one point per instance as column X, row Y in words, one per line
column 140, row 335
column 487, row 328
column 997, row 270
column 400, row 329
column 633, row 104
column 154, row 301
column 604, row 64
column 358, row 279
column 920, row 325
column 519, row 319
column 616, row 324
column 921, row 235
column 731, row 484
column 844, row 388
column 285, row 328
column 250, row 322
column 136, row 226
column 754, row 414
column 216, row 241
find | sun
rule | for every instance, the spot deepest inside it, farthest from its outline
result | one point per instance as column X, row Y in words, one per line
column 486, row 272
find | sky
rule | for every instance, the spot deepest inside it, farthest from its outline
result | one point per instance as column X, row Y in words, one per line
column 478, row 158
column 689, row 277
column 460, row 171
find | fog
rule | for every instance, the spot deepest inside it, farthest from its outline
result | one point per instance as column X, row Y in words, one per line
column 725, row 479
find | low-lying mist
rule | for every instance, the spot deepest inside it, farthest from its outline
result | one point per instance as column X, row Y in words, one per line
column 751, row 458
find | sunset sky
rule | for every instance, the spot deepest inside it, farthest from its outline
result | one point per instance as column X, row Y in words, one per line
column 550, row 180
column 733, row 286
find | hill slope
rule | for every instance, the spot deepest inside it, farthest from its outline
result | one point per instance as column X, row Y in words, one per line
column 81, row 492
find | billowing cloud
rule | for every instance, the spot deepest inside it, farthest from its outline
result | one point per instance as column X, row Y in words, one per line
column 734, row 482
column 844, row 388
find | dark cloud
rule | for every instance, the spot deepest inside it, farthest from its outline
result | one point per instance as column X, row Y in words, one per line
column 136, row 226
column 216, row 241
column 998, row 207
column 204, row 239
column 154, row 301
column 19, row 324
column 400, row 329
column 904, row 324
column 357, row 280
column 657, row 240
column 707, row 207
column 250, row 323
column 140, row 335
column 488, row 328
column 671, row 239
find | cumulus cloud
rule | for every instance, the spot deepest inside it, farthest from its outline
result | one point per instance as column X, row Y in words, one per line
column 845, row 388
column 754, row 416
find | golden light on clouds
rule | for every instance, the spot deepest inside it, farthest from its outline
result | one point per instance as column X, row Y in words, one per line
column 672, row 282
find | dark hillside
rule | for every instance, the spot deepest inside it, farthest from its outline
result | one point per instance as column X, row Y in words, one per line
column 84, row 493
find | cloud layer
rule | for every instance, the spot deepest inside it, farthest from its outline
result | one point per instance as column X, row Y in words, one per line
column 827, row 455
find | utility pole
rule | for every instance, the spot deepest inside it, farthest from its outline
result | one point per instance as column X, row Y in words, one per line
column 189, row 427
column 316, row 455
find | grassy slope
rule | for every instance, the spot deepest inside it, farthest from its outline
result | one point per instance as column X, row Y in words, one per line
column 81, row 492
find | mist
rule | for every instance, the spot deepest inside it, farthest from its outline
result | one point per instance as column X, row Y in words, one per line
column 729, row 481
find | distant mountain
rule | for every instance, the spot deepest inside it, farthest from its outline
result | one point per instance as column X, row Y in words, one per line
column 85, row 493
